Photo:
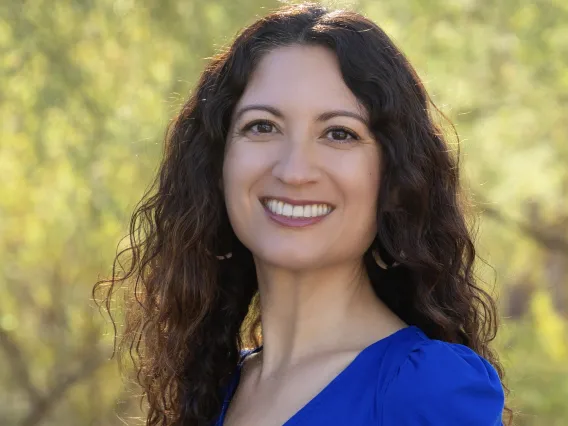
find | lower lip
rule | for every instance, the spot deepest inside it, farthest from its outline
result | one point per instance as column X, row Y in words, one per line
column 293, row 222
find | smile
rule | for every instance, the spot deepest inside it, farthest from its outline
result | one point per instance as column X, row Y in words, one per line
column 295, row 213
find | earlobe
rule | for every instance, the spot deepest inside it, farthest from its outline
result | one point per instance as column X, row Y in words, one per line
column 382, row 263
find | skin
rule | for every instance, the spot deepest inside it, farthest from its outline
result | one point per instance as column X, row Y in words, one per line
column 317, row 305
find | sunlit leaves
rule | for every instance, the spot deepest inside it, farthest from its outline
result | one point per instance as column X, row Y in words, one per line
column 88, row 87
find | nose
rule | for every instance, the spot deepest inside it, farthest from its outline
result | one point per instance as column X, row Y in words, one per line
column 295, row 164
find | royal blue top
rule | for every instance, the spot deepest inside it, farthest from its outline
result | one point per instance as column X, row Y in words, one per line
column 405, row 379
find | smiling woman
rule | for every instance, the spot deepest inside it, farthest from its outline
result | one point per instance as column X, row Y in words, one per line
column 300, row 152
column 306, row 170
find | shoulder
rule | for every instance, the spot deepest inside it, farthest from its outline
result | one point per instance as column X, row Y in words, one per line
column 443, row 384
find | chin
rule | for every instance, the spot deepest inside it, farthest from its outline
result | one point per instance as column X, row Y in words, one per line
column 296, row 260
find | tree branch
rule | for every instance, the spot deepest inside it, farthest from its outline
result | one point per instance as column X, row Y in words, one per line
column 42, row 402
column 19, row 366
column 42, row 407
column 542, row 236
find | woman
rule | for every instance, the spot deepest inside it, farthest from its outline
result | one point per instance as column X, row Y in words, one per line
column 305, row 184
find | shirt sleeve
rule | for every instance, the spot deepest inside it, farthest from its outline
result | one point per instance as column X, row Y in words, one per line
column 444, row 384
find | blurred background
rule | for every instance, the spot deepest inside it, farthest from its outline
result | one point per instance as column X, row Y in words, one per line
column 86, row 91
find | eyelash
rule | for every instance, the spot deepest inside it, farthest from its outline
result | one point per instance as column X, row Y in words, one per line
column 254, row 123
column 351, row 133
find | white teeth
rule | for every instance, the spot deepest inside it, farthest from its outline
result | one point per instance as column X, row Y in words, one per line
column 289, row 210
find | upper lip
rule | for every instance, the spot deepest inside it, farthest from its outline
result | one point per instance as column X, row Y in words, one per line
column 293, row 201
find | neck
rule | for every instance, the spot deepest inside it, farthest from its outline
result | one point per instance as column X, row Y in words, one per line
column 316, row 311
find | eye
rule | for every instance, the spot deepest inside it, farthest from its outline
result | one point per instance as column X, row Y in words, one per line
column 259, row 127
column 341, row 134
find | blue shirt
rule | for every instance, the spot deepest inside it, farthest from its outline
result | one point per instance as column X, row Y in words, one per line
column 405, row 379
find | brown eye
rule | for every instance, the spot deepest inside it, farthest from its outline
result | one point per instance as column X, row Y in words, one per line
column 263, row 128
column 340, row 134
column 259, row 127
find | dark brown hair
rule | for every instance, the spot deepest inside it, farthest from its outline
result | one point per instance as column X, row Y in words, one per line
column 187, row 311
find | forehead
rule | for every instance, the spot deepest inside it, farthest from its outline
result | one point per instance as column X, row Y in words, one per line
column 300, row 78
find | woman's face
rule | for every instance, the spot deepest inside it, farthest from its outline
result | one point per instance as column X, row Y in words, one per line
column 301, row 171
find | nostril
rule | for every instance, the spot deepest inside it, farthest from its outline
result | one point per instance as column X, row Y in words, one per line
column 296, row 166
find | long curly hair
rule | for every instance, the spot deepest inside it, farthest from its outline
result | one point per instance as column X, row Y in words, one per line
column 189, row 312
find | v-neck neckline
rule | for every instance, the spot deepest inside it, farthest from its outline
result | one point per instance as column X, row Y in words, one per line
column 317, row 398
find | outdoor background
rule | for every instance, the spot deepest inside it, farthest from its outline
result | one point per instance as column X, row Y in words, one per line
column 86, row 90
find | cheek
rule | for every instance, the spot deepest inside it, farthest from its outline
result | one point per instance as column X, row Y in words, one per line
column 359, row 175
column 361, row 182
column 242, row 168
column 370, row 174
column 234, row 167
column 234, row 178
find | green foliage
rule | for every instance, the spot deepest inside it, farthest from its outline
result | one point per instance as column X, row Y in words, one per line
column 87, row 88
column 537, row 378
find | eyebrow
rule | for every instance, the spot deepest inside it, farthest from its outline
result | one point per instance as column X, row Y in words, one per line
column 328, row 115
